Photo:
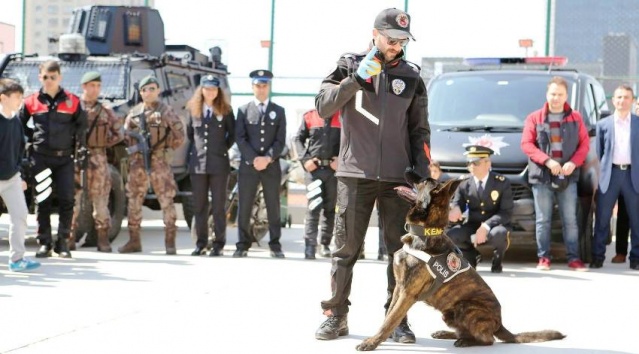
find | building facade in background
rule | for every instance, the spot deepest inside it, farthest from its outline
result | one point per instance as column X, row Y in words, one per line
column 46, row 20
column 7, row 38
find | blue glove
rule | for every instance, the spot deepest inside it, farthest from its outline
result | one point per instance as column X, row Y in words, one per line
column 369, row 66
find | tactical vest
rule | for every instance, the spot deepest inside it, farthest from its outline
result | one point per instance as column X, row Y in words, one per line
column 99, row 130
column 158, row 128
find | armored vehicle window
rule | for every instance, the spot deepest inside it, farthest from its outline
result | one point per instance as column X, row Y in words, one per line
column 494, row 100
column 600, row 99
column 589, row 112
column 177, row 81
column 113, row 76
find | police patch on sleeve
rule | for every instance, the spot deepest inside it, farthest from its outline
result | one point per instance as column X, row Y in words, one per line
column 398, row 86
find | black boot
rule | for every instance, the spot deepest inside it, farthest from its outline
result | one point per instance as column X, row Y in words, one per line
column 326, row 251
column 403, row 333
column 44, row 251
column 309, row 252
column 496, row 266
column 61, row 247
column 333, row 327
column 471, row 256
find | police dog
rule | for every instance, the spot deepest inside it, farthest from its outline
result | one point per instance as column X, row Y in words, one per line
column 430, row 268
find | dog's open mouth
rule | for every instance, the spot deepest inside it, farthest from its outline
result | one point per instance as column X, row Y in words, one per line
column 409, row 194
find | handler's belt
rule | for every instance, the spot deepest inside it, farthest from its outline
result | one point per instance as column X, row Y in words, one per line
column 323, row 163
column 54, row 153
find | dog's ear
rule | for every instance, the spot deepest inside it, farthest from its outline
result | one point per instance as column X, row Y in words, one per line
column 450, row 186
column 412, row 178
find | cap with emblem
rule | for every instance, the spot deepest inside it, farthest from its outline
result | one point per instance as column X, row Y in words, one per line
column 261, row 76
column 209, row 81
column 149, row 80
column 395, row 23
column 477, row 152
column 91, row 76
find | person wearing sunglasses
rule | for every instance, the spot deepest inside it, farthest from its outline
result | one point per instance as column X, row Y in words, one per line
column 162, row 131
column 487, row 201
column 59, row 125
column 385, row 131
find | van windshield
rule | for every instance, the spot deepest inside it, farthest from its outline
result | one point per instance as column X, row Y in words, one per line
column 113, row 76
column 490, row 100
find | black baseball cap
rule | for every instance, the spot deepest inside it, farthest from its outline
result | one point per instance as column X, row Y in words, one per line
column 395, row 23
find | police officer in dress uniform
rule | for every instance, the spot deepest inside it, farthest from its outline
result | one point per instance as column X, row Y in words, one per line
column 163, row 130
column 104, row 130
column 59, row 125
column 317, row 141
column 261, row 137
column 487, row 197
column 211, row 130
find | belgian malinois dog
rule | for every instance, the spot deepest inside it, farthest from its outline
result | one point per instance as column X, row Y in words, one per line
column 430, row 268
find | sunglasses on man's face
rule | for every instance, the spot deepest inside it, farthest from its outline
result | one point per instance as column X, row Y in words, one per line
column 49, row 77
column 394, row 41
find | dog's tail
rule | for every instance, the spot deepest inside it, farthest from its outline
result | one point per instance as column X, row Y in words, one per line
column 528, row 337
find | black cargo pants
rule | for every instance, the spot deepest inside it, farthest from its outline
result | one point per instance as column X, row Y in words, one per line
column 62, row 175
column 355, row 201
column 327, row 209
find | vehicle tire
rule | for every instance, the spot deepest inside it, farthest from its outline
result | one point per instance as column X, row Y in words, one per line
column 585, row 222
column 117, row 208
column 187, row 202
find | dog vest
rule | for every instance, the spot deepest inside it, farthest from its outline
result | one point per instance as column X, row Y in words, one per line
column 442, row 267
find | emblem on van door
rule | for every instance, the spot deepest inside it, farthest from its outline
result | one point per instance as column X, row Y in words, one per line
column 398, row 86
column 493, row 142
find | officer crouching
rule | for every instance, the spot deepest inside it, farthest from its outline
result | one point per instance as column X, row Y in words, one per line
column 261, row 138
column 317, row 142
column 161, row 129
column 487, row 198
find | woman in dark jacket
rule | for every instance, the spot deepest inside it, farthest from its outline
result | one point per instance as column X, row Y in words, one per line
column 211, row 130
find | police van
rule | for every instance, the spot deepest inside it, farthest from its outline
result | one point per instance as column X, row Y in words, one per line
column 487, row 104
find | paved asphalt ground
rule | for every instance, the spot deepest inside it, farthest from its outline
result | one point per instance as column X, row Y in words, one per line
column 153, row 303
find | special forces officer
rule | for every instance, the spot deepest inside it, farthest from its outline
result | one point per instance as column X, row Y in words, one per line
column 162, row 130
column 59, row 125
column 317, row 141
column 261, row 137
column 487, row 197
column 104, row 131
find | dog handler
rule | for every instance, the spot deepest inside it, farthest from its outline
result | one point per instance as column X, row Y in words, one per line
column 384, row 131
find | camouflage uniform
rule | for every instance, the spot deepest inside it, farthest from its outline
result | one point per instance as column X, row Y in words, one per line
column 165, row 134
column 106, row 133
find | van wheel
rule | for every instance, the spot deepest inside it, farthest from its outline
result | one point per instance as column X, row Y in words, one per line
column 585, row 222
column 117, row 207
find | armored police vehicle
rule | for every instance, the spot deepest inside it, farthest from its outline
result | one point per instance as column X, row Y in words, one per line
column 487, row 105
column 124, row 44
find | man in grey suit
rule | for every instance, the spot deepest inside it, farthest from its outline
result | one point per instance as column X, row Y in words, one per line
column 618, row 152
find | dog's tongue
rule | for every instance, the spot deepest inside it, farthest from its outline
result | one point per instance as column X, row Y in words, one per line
column 406, row 193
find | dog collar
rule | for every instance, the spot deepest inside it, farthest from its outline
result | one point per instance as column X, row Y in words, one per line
column 419, row 230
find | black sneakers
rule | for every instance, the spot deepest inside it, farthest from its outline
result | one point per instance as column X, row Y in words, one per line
column 403, row 333
column 333, row 327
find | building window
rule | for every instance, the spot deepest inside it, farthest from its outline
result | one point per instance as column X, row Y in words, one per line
column 53, row 9
column 65, row 23
column 37, row 34
column 53, row 22
column 38, row 8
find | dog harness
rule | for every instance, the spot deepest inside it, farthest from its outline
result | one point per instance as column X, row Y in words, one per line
column 442, row 267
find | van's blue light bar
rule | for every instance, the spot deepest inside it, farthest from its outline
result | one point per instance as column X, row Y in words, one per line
column 555, row 61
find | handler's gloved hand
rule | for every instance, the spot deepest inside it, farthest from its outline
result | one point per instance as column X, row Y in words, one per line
column 369, row 66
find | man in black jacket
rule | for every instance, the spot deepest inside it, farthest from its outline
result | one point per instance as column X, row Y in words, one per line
column 59, row 124
column 317, row 142
column 385, row 130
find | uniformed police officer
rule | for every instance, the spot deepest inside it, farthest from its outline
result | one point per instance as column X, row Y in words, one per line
column 59, row 124
column 163, row 130
column 104, row 131
column 261, row 138
column 488, row 200
column 317, row 142
column 211, row 130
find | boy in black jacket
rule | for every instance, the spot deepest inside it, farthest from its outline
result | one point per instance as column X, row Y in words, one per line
column 11, row 184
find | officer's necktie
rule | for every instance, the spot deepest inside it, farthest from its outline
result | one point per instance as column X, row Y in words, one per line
column 261, row 109
column 480, row 188
column 207, row 118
